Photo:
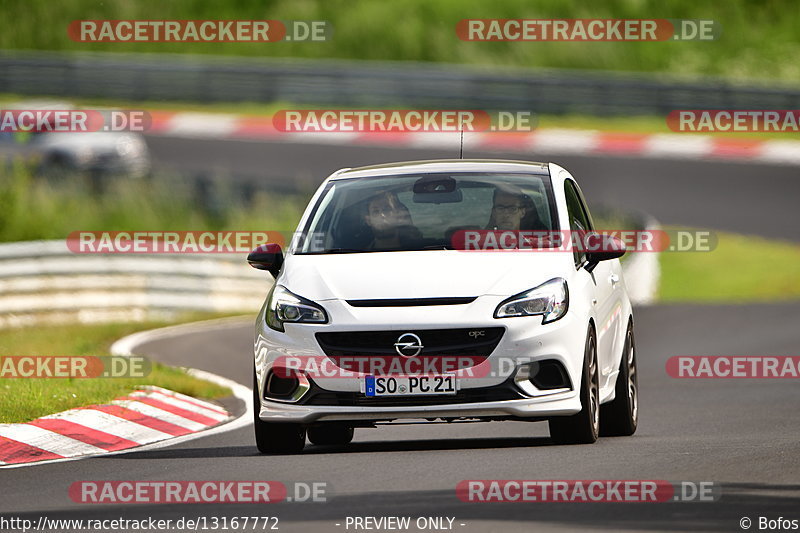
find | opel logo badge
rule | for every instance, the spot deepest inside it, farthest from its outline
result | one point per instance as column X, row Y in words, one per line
column 408, row 345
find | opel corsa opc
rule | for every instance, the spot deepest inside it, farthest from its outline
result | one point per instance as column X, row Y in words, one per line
column 407, row 293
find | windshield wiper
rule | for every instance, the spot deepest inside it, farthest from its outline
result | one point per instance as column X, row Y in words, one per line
column 360, row 251
column 338, row 251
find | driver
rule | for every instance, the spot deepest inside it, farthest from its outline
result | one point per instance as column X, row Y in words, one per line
column 513, row 210
column 508, row 209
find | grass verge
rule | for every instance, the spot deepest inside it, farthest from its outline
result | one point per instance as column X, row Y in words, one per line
column 757, row 42
column 22, row 400
column 741, row 269
column 162, row 203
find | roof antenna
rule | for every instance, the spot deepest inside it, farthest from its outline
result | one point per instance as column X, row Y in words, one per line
column 461, row 151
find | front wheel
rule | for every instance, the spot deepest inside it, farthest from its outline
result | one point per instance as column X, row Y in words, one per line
column 276, row 437
column 621, row 416
column 584, row 427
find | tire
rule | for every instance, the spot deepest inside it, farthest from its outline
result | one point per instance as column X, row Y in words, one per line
column 621, row 416
column 583, row 427
column 330, row 434
column 276, row 437
column 58, row 168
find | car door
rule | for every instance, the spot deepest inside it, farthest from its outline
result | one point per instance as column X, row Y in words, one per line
column 604, row 282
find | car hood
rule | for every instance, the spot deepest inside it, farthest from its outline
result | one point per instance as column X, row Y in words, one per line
column 421, row 274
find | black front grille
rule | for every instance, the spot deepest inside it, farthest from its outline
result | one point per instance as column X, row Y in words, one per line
column 474, row 342
column 279, row 386
column 411, row 302
column 551, row 374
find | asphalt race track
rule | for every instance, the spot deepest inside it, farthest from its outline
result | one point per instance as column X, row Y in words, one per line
column 740, row 434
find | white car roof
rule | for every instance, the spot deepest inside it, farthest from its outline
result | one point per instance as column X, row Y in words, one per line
column 442, row 165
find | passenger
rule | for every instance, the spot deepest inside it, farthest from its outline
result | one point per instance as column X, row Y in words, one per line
column 390, row 222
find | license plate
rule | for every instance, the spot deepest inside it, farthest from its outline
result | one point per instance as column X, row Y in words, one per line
column 410, row 385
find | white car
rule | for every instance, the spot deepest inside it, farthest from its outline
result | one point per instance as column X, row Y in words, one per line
column 63, row 153
column 381, row 314
column 104, row 153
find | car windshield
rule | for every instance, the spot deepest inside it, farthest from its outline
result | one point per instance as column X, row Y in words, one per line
column 423, row 212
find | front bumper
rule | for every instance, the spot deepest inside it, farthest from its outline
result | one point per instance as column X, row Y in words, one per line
column 525, row 340
column 563, row 404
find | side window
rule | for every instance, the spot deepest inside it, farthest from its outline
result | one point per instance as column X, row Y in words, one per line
column 584, row 206
column 578, row 220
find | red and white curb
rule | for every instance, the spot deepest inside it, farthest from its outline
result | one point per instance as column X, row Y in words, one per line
column 148, row 418
column 148, row 415
column 549, row 141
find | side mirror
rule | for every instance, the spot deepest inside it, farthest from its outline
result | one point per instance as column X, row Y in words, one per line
column 267, row 257
column 603, row 248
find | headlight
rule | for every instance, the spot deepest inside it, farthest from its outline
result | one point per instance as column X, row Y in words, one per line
column 283, row 306
column 550, row 299
column 125, row 147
